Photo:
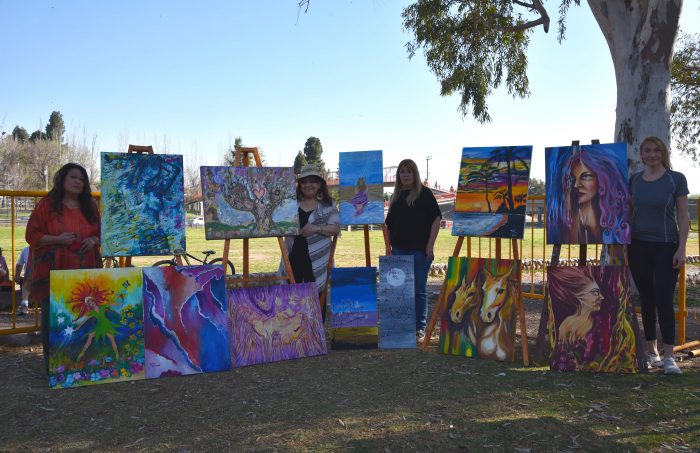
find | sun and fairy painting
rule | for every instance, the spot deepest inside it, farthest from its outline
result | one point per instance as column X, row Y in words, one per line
column 479, row 320
column 588, row 200
column 361, row 187
column 96, row 327
column 248, row 202
column 275, row 323
column 143, row 210
column 353, row 297
column 590, row 319
column 492, row 192
column 186, row 320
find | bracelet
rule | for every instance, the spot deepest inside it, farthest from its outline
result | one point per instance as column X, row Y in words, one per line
column 320, row 228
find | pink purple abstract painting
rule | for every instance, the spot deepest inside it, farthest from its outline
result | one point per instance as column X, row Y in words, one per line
column 186, row 320
column 274, row 323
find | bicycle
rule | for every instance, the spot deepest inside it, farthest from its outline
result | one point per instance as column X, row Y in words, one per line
column 187, row 257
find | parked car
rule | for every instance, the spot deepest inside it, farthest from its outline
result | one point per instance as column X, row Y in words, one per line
column 196, row 222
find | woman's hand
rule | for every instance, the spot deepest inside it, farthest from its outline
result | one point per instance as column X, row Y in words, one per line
column 679, row 258
column 87, row 244
column 429, row 252
column 65, row 239
column 309, row 229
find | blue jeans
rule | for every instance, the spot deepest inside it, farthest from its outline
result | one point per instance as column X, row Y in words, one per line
column 421, row 266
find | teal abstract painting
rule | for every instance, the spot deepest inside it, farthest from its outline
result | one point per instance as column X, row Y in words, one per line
column 143, row 204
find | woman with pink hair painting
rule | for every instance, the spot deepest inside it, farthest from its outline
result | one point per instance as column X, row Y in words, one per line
column 587, row 195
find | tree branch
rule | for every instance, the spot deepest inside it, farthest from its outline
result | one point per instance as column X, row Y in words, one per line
column 537, row 7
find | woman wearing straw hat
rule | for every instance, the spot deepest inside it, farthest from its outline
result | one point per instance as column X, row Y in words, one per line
column 310, row 250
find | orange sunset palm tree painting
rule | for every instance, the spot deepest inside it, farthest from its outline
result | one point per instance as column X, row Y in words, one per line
column 493, row 179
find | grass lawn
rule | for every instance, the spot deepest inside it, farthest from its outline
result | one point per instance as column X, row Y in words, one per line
column 362, row 400
column 265, row 252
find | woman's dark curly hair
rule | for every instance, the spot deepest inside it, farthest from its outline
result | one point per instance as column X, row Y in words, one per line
column 87, row 204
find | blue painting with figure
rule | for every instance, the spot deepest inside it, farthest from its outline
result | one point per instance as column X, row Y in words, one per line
column 397, row 308
column 361, row 188
column 143, row 204
column 354, row 297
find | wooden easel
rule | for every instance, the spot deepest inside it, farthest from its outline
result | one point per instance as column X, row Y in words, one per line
column 610, row 255
column 125, row 261
column 241, row 158
column 440, row 306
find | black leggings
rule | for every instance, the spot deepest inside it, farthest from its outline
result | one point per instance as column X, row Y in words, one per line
column 652, row 269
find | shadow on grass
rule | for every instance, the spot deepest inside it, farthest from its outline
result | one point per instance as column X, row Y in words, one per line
column 369, row 400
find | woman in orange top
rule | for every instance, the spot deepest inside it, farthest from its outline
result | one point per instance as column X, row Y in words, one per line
column 63, row 232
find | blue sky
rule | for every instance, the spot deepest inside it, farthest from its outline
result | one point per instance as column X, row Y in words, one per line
column 190, row 77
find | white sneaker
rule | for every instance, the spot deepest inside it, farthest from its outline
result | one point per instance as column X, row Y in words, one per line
column 670, row 366
column 420, row 336
column 654, row 360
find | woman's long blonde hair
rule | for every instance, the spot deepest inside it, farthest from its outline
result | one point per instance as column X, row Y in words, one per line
column 666, row 157
column 415, row 191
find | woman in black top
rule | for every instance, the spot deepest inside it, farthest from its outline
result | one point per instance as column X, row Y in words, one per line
column 658, row 244
column 413, row 223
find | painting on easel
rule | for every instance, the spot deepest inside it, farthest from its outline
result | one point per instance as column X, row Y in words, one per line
column 397, row 308
column 361, row 188
column 143, row 204
column 479, row 319
column 274, row 323
column 590, row 319
column 587, row 194
column 492, row 192
column 249, row 202
column 96, row 327
column 186, row 320
column 354, row 297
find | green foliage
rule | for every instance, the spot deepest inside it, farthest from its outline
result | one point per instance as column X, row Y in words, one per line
column 472, row 47
column 536, row 187
column 55, row 130
column 20, row 134
column 299, row 162
column 313, row 150
column 37, row 135
column 685, row 89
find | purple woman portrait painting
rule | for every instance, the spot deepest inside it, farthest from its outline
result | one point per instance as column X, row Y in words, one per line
column 590, row 313
column 587, row 195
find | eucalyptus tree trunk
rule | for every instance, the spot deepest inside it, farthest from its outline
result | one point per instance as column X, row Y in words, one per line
column 640, row 35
